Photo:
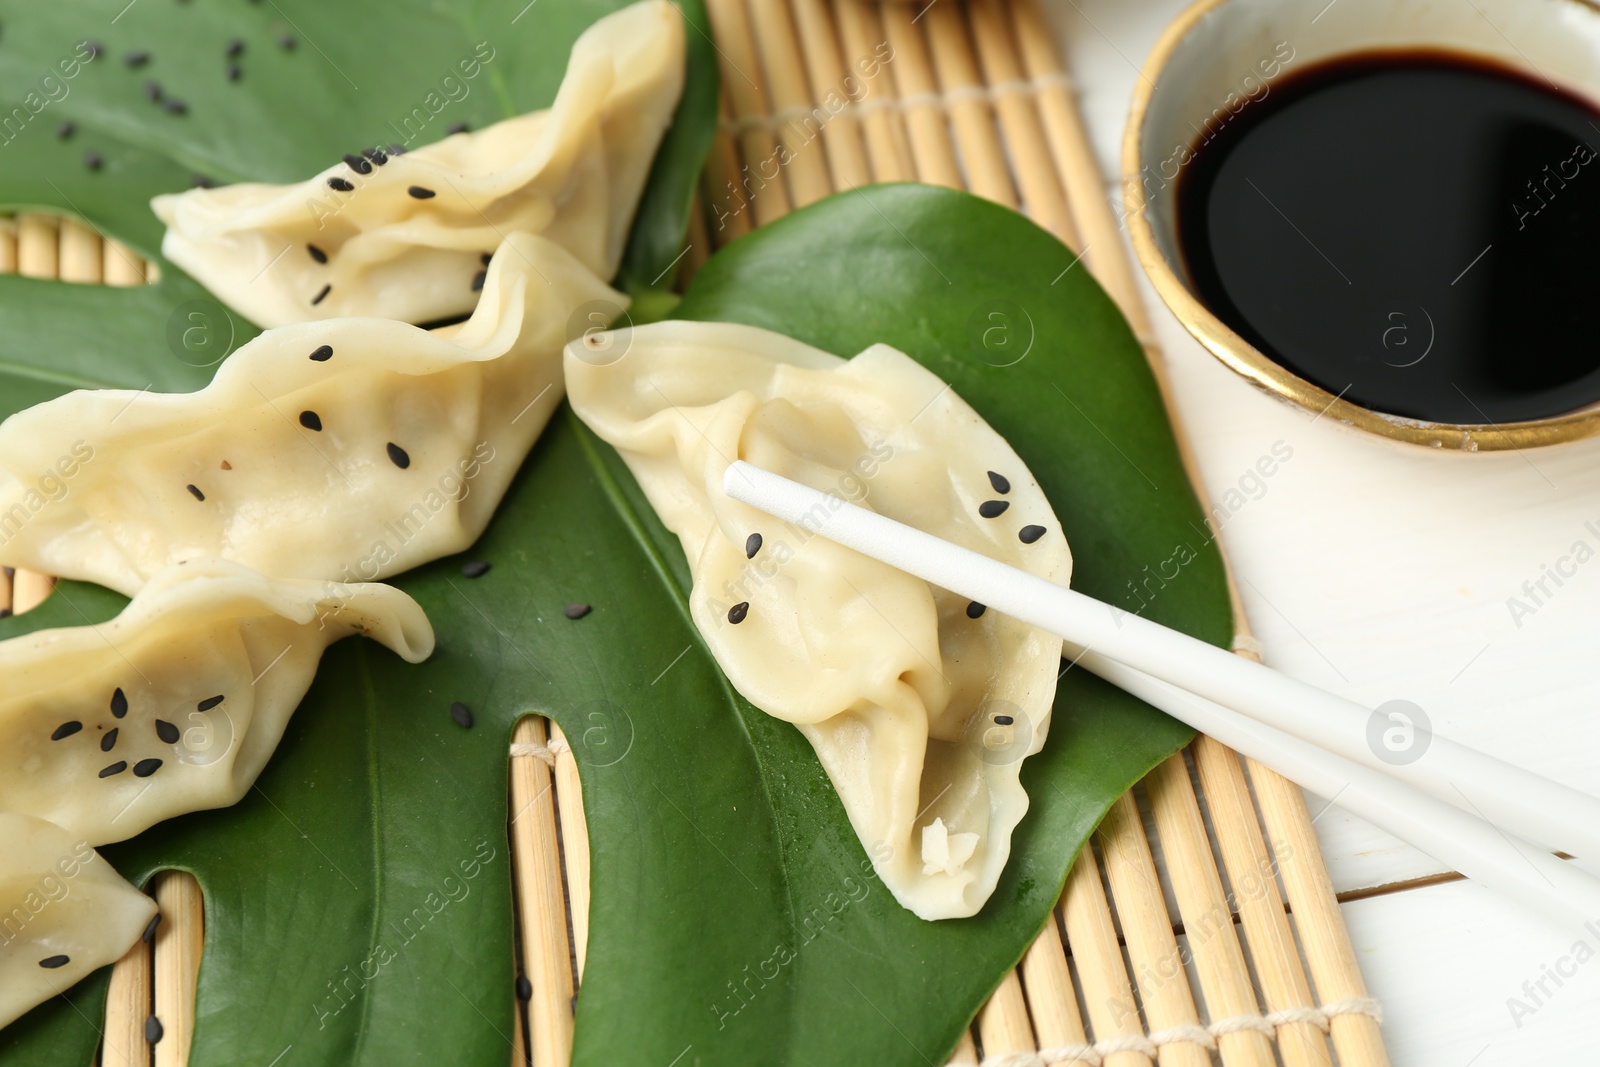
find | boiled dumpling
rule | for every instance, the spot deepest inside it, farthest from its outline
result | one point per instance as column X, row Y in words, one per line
column 346, row 450
column 921, row 705
column 401, row 236
column 67, row 913
column 177, row 703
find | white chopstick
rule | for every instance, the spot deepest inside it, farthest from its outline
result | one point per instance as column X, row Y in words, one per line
column 1508, row 796
column 1463, row 842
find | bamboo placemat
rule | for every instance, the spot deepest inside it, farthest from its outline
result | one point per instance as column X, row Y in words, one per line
column 1200, row 924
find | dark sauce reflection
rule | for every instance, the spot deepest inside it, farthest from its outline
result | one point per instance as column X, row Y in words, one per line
column 1419, row 231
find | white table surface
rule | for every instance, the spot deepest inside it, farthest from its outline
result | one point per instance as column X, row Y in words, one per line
column 1383, row 571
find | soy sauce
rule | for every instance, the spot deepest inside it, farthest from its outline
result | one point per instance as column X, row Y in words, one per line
column 1416, row 231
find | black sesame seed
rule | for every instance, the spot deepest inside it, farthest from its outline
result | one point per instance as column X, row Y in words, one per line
column 485, row 257
column 398, row 455
column 1029, row 534
column 93, row 160
column 50, row 963
column 175, row 107
column 136, row 59
column 146, row 767
column 152, row 92
column 357, row 163
column 1001, row 485
column 209, row 702
column 576, row 611
column 235, row 48
column 94, row 48
column 119, row 704
column 149, row 934
column 287, row 42
column 976, row 609
column 234, row 71
column 992, row 508
column 376, row 155
column 166, row 731
column 340, row 184
column 66, row 129
column 322, row 353
column 461, row 715
column 421, row 193
column 201, row 181
column 153, row 1030
column 737, row 613
column 195, row 492
column 317, row 254
column 1003, row 720
column 109, row 741
column 524, row 988
column 321, row 296
column 457, row 127
column 66, row 729
column 476, row 569
column 478, row 279
column 310, row 421
column 752, row 545
column 116, row 768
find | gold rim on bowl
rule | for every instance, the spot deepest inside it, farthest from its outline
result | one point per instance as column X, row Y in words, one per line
column 1249, row 361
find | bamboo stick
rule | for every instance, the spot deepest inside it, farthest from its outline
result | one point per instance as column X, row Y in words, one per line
column 1052, row 1002
column 519, row 1040
column 575, row 843
column 152, row 272
column 1323, row 936
column 541, row 906
column 1102, row 248
column 179, row 940
column 831, row 73
column 758, row 146
column 731, row 211
column 120, row 265
column 1250, row 866
column 29, row 589
column 129, row 1000
column 79, row 253
column 1147, row 931
column 968, row 105
column 37, row 236
column 1003, row 1022
column 804, row 159
column 1104, row 979
column 861, row 34
column 966, row 1053
column 8, row 246
column 5, row 592
column 919, row 95
column 1207, row 918
column 1042, row 194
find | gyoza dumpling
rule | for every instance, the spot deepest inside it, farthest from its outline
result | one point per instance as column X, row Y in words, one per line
column 177, row 703
column 346, row 450
column 401, row 236
column 67, row 913
column 921, row 706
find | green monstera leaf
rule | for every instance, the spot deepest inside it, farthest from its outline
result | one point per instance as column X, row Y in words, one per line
column 358, row 900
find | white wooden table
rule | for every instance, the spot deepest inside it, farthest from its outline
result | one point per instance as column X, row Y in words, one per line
column 1383, row 571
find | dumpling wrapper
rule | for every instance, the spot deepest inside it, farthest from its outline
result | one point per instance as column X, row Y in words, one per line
column 201, row 672
column 902, row 693
column 63, row 913
column 392, row 451
column 573, row 173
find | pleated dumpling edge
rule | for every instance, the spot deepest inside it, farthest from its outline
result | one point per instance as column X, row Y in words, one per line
column 920, row 705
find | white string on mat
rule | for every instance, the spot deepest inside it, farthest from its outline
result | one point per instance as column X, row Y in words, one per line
column 959, row 95
column 1204, row 1036
column 546, row 753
